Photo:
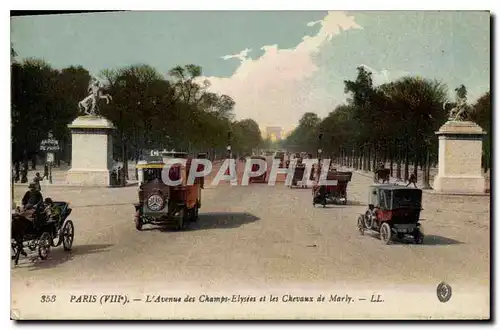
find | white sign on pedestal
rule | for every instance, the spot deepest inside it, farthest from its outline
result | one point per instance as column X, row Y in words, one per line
column 50, row 157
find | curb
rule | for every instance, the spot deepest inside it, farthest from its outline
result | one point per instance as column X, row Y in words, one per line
column 427, row 191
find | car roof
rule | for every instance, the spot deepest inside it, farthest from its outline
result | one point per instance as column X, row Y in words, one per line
column 393, row 187
column 151, row 159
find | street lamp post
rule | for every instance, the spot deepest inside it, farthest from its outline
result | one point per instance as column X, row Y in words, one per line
column 320, row 151
column 320, row 136
column 229, row 152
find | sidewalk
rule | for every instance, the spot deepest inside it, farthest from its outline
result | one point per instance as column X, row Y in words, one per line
column 420, row 184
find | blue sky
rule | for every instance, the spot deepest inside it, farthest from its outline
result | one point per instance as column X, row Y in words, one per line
column 276, row 84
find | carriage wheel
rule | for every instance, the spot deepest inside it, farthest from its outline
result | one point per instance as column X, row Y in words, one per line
column 68, row 234
column 44, row 244
column 361, row 225
column 385, row 233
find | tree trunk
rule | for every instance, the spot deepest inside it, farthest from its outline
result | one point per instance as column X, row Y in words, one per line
column 407, row 169
column 398, row 166
column 368, row 159
column 374, row 160
column 124, row 159
column 391, row 165
column 426, row 168
column 415, row 168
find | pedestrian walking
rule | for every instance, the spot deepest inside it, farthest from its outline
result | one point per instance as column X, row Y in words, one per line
column 24, row 173
column 45, row 171
column 36, row 180
column 412, row 179
column 17, row 170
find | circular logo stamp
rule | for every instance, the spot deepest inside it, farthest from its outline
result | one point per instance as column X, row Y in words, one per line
column 443, row 292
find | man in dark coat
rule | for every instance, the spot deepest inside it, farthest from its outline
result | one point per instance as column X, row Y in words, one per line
column 412, row 179
column 24, row 173
column 32, row 197
column 36, row 180
column 45, row 171
column 17, row 168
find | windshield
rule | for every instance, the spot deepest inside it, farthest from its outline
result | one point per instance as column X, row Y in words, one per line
column 410, row 198
column 152, row 173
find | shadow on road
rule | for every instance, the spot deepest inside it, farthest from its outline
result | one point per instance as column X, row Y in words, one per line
column 439, row 240
column 222, row 220
column 429, row 240
column 58, row 256
column 355, row 203
column 215, row 220
column 131, row 204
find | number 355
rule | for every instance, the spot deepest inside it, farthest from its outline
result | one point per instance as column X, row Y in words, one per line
column 48, row 299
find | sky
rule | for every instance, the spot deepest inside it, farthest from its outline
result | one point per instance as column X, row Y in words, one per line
column 276, row 65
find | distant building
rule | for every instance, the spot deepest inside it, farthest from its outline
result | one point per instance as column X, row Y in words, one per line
column 274, row 133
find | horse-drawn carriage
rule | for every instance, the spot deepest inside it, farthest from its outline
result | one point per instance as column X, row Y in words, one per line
column 332, row 194
column 393, row 211
column 39, row 226
column 167, row 203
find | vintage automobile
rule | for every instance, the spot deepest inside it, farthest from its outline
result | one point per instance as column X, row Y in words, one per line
column 281, row 156
column 261, row 178
column 393, row 211
column 163, row 204
column 332, row 194
column 298, row 174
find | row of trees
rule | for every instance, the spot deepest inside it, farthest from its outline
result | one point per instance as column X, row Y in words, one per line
column 148, row 110
column 394, row 122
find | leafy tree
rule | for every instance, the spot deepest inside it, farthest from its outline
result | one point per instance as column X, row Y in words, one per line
column 481, row 114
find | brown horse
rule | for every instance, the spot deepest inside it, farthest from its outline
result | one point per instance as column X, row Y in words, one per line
column 383, row 174
column 22, row 224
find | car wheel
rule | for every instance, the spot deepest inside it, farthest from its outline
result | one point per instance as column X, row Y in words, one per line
column 194, row 214
column 385, row 233
column 183, row 219
column 361, row 225
column 419, row 237
column 138, row 222
column 368, row 219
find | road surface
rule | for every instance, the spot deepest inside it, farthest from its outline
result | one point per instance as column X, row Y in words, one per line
column 260, row 236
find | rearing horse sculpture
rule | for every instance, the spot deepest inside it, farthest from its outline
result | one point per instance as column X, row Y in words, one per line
column 89, row 105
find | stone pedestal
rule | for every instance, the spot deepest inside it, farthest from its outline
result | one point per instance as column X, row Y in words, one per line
column 92, row 151
column 460, row 151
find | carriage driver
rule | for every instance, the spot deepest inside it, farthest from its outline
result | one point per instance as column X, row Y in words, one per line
column 32, row 197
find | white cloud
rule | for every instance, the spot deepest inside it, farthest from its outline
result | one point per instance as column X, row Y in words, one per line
column 383, row 76
column 313, row 23
column 275, row 89
column 241, row 55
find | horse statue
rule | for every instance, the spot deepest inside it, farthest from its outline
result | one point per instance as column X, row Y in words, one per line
column 90, row 105
column 459, row 111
